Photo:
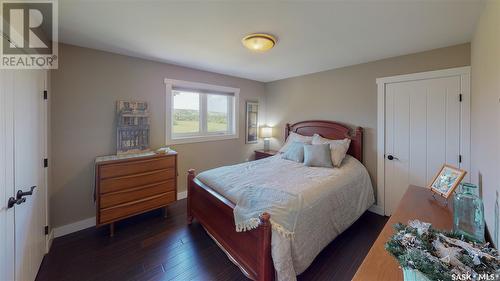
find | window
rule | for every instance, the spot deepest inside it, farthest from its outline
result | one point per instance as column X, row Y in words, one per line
column 186, row 117
column 200, row 112
column 217, row 113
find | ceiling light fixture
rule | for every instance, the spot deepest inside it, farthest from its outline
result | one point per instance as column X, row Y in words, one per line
column 259, row 42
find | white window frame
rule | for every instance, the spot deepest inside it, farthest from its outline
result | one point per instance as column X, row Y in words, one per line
column 233, row 112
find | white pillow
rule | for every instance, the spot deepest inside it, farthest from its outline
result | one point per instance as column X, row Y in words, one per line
column 338, row 148
column 295, row 137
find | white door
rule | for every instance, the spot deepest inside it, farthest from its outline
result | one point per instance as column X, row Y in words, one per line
column 422, row 132
column 25, row 143
column 7, row 250
column 29, row 153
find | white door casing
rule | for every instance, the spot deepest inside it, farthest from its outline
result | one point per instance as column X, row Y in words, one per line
column 422, row 156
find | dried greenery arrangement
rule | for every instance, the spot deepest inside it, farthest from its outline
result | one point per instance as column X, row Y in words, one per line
column 442, row 255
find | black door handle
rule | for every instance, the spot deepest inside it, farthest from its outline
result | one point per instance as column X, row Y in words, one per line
column 390, row 157
column 20, row 194
column 12, row 201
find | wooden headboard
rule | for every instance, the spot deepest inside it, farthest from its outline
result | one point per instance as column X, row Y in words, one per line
column 330, row 130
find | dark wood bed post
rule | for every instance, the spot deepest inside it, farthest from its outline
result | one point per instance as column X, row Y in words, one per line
column 358, row 149
column 190, row 178
column 250, row 249
column 266, row 266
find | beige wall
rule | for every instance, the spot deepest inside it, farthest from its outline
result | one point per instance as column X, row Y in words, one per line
column 84, row 91
column 485, row 113
column 88, row 83
column 349, row 94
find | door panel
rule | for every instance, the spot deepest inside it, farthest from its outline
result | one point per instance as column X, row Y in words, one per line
column 7, row 241
column 399, row 143
column 418, row 135
column 453, row 120
column 28, row 171
column 422, row 133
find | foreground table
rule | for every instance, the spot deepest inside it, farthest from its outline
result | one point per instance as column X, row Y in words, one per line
column 417, row 203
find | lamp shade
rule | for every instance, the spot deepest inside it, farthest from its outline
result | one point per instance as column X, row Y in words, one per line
column 266, row 132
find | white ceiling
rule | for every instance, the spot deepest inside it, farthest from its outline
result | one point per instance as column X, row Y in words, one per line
column 312, row 36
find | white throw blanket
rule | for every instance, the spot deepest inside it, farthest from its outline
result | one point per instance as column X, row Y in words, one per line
column 283, row 207
column 332, row 200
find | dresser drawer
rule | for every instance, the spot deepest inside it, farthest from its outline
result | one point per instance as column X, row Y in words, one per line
column 128, row 195
column 134, row 207
column 136, row 180
column 135, row 167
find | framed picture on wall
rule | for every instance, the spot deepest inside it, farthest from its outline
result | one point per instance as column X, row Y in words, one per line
column 252, row 122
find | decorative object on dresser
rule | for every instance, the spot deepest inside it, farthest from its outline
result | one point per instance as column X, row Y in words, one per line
column 131, row 184
column 446, row 180
column 426, row 253
column 252, row 122
column 261, row 154
column 416, row 203
column 468, row 212
column 132, row 132
column 266, row 133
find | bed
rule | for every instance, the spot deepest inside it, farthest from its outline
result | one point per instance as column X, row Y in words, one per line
column 335, row 199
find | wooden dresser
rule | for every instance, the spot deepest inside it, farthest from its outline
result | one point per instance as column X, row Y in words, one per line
column 417, row 203
column 133, row 185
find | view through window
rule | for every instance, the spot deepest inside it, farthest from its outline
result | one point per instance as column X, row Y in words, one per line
column 198, row 114
column 186, row 112
column 217, row 113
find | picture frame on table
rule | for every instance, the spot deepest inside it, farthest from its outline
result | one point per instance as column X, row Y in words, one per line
column 446, row 180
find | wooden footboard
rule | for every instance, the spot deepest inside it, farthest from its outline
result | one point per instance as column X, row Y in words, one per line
column 250, row 249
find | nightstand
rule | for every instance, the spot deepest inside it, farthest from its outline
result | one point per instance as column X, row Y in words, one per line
column 261, row 154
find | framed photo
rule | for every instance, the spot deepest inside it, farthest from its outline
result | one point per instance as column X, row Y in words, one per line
column 252, row 122
column 445, row 182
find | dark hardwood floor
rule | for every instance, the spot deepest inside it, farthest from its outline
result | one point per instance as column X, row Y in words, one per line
column 149, row 247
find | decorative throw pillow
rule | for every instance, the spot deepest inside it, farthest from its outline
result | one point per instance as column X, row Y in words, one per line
column 338, row 148
column 295, row 152
column 317, row 155
column 295, row 137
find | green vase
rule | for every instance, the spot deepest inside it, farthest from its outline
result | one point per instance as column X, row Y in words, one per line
column 413, row 275
column 468, row 212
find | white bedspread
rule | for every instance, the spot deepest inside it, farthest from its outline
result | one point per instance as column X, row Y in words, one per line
column 333, row 199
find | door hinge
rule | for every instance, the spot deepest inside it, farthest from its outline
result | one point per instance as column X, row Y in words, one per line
column 460, row 97
column 45, row 95
column 46, row 230
column 459, row 158
column 45, row 162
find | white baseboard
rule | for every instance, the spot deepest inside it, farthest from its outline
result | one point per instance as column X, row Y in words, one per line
column 86, row 223
column 377, row 210
column 182, row 195
column 50, row 239
column 73, row 227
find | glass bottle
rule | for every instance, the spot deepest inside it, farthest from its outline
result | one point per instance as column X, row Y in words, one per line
column 468, row 212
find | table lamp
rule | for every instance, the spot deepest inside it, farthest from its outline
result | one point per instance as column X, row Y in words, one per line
column 266, row 133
